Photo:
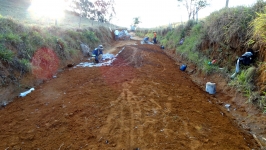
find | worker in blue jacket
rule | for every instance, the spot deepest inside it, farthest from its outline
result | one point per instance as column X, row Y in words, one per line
column 97, row 52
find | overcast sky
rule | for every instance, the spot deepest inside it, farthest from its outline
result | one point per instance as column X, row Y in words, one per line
column 154, row 13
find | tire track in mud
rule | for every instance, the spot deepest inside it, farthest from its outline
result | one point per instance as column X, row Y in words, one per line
column 126, row 122
column 134, row 115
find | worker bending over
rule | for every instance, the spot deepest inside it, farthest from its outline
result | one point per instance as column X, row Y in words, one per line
column 97, row 52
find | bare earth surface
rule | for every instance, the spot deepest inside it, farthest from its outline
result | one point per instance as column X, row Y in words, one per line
column 143, row 101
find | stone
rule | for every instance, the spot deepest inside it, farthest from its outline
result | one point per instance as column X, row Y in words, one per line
column 85, row 49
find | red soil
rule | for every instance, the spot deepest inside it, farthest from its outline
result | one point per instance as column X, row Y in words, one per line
column 142, row 101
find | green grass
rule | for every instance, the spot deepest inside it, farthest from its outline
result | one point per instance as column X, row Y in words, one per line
column 262, row 102
column 19, row 42
column 244, row 82
column 241, row 81
column 140, row 34
column 190, row 49
column 209, row 68
column 12, row 38
column 5, row 54
column 26, row 64
column 90, row 37
column 36, row 38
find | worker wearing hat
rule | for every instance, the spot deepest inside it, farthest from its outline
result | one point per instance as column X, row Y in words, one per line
column 154, row 37
column 97, row 52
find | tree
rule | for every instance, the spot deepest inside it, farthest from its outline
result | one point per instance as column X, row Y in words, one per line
column 136, row 21
column 99, row 10
column 104, row 8
column 193, row 7
column 226, row 5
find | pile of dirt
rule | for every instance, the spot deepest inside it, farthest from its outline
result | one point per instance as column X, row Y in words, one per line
column 142, row 101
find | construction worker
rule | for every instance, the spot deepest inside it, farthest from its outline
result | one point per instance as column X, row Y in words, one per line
column 116, row 34
column 154, row 37
column 146, row 40
column 97, row 52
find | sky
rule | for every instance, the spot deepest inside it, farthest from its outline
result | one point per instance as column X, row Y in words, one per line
column 154, row 13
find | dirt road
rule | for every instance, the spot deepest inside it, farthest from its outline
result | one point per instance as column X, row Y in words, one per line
column 143, row 101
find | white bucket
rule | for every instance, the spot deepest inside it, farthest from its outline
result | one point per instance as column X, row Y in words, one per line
column 210, row 88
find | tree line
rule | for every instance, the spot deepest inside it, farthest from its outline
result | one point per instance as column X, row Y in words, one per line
column 194, row 6
column 104, row 10
column 99, row 10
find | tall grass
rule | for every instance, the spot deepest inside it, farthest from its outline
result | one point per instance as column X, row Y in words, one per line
column 228, row 25
column 5, row 54
column 245, row 83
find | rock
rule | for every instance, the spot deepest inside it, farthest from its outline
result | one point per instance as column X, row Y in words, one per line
column 191, row 70
column 227, row 105
column 250, row 73
column 85, row 49
column 70, row 65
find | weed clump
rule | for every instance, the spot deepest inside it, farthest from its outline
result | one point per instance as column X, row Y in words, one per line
column 5, row 54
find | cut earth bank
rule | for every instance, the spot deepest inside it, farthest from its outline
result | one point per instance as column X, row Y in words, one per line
column 142, row 101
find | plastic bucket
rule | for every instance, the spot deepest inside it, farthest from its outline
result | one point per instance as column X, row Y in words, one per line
column 211, row 88
column 183, row 67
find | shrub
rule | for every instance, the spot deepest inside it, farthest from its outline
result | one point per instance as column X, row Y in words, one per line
column 229, row 25
column 12, row 38
column 90, row 36
column 73, row 34
column 25, row 64
column 5, row 54
column 244, row 80
column 36, row 38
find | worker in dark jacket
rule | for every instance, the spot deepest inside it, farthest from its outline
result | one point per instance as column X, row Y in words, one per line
column 154, row 37
column 97, row 52
column 146, row 40
column 246, row 59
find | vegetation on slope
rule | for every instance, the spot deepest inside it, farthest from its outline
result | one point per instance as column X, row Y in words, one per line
column 224, row 36
column 19, row 43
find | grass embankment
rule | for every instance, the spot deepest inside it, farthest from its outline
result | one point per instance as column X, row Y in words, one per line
column 19, row 43
column 22, row 33
column 224, row 36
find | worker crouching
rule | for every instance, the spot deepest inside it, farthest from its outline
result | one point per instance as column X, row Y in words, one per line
column 97, row 54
